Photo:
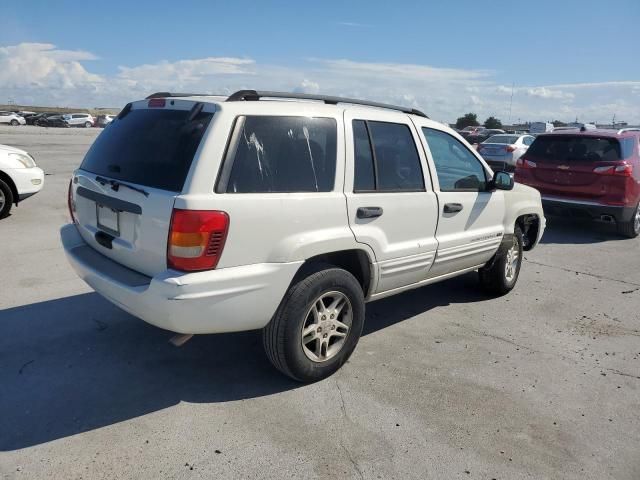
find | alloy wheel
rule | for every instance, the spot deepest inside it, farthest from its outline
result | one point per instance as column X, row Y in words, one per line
column 326, row 326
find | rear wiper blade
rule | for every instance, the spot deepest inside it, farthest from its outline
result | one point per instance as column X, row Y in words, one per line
column 115, row 185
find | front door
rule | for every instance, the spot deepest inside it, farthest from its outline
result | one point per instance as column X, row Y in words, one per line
column 470, row 225
column 391, row 205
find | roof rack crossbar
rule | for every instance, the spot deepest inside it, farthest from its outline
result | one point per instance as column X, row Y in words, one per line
column 253, row 95
column 172, row 95
column 629, row 129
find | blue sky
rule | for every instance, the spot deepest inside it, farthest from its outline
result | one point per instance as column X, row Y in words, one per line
column 566, row 58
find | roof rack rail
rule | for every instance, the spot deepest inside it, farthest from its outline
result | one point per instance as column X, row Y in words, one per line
column 629, row 129
column 253, row 95
column 170, row 95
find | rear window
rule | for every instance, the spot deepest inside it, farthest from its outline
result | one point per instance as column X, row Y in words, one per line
column 574, row 148
column 280, row 154
column 508, row 140
column 151, row 147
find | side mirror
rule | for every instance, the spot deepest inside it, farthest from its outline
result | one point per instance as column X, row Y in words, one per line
column 501, row 181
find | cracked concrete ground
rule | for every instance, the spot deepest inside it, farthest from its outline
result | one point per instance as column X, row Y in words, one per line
column 446, row 383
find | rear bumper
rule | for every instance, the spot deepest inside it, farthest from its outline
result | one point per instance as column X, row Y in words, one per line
column 502, row 165
column 555, row 206
column 226, row 300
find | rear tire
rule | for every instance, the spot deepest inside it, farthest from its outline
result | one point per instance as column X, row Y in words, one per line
column 87, row 124
column 501, row 273
column 631, row 229
column 6, row 199
column 310, row 337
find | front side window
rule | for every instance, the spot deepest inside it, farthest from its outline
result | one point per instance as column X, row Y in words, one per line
column 386, row 158
column 280, row 154
column 457, row 168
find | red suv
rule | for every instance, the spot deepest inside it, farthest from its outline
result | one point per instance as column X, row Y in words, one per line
column 587, row 173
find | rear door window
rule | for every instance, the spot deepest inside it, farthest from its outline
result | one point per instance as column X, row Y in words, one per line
column 575, row 148
column 151, row 147
column 386, row 158
column 280, row 154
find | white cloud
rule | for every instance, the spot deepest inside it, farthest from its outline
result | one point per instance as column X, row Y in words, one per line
column 43, row 74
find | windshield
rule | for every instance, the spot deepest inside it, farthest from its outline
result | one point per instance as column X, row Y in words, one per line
column 574, row 148
column 149, row 147
column 506, row 139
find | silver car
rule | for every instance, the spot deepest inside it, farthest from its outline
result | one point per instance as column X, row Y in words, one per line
column 78, row 120
column 502, row 151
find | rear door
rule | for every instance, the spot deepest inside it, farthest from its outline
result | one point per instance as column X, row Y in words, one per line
column 125, row 188
column 390, row 202
column 470, row 224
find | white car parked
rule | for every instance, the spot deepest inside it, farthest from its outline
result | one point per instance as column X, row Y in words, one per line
column 12, row 118
column 201, row 215
column 503, row 151
column 19, row 177
column 78, row 120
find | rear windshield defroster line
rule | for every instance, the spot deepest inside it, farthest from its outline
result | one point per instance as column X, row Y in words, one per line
column 150, row 147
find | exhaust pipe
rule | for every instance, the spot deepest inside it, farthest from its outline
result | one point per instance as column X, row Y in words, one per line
column 607, row 219
column 180, row 339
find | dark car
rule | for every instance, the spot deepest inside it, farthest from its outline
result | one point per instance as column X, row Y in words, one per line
column 592, row 174
column 44, row 119
column 482, row 135
column 466, row 131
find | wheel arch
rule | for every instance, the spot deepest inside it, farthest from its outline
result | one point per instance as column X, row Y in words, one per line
column 529, row 224
column 355, row 261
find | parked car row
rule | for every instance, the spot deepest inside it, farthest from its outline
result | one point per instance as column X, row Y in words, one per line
column 55, row 119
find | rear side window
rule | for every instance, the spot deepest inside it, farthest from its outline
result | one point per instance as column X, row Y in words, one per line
column 627, row 146
column 386, row 158
column 575, row 148
column 151, row 147
column 280, row 154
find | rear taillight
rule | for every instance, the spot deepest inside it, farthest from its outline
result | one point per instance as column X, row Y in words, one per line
column 623, row 170
column 524, row 163
column 71, row 204
column 196, row 239
column 510, row 148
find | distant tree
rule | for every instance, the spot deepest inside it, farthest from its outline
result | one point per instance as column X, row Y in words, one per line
column 468, row 120
column 558, row 123
column 492, row 122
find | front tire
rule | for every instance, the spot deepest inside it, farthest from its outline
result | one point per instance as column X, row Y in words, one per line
column 15, row 123
column 317, row 326
column 87, row 124
column 631, row 229
column 6, row 199
column 500, row 275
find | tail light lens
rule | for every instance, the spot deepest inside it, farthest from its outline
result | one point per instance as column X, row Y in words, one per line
column 71, row 204
column 524, row 163
column 196, row 239
column 623, row 170
column 510, row 148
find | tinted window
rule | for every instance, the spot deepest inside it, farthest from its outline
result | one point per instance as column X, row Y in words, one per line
column 457, row 168
column 152, row 147
column 364, row 177
column 528, row 140
column 397, row 161
column 575, row 148
column 281, row 154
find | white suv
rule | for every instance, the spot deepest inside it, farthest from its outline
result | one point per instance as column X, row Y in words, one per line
column 78, row 120
column 205, row 215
